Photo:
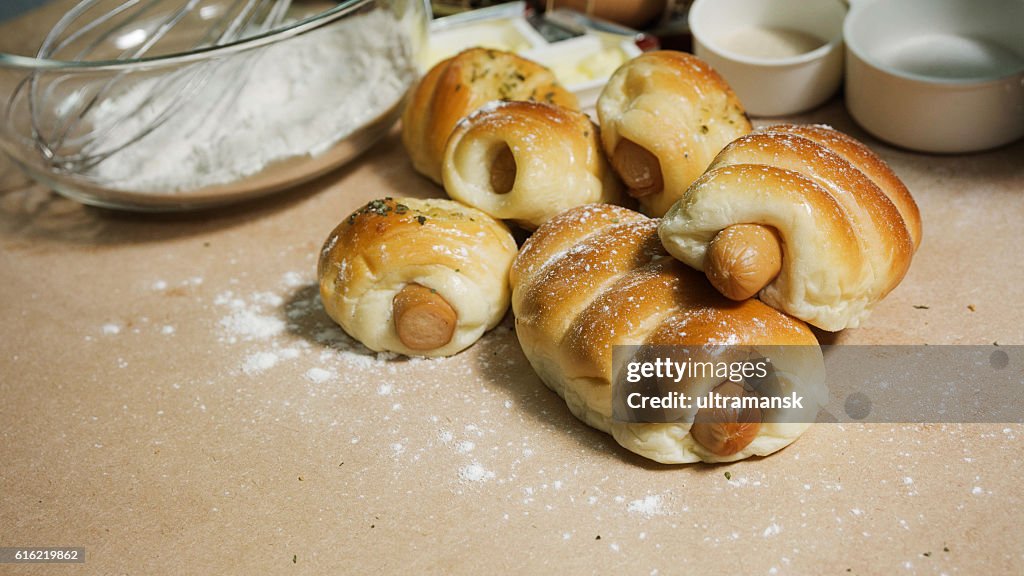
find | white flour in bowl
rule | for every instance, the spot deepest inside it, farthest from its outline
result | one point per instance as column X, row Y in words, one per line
column 298, row 97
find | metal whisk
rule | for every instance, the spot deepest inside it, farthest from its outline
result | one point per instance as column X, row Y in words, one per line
column 119, row 30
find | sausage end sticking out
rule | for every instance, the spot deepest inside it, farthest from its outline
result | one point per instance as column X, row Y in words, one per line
column 423, row 319
column 503, row 171
column 638, row 168
column 725, row 431
column 743, row 259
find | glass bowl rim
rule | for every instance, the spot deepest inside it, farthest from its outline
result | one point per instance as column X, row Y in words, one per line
column 343, row 9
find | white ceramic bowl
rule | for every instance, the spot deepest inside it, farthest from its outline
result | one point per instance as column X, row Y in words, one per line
column 942, row 76
column 780, row 56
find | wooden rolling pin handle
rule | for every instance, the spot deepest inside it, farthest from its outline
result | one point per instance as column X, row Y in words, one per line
column 743, row 259
column 423, row 319
column 725, row 431
column 639, row 169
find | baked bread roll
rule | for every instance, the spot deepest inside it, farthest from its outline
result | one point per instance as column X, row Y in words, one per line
column 417, row 277
column 456, row 87
column 597, row 276
column 664, row 116
column 805, row 216
column 527, row 161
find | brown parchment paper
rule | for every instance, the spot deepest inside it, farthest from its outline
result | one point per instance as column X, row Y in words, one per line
column 173, row 399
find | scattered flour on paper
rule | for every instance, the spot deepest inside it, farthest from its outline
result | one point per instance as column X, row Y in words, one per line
column 246, row 320
column 262, row 321
column 475, row 472
column 648, row 506
column 259, row 362
column 319, row 375
column 282, row 331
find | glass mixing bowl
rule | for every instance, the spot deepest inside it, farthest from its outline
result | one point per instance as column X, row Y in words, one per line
column 126, row 104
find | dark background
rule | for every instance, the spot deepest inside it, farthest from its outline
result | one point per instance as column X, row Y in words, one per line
column 10, row 8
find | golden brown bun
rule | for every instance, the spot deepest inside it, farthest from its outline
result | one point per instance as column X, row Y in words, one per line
column 527, row 161
column 417, row 277
column 597, row 276
column 456, row 87
column 848, row 227
column 664, row 116
column 856, row 153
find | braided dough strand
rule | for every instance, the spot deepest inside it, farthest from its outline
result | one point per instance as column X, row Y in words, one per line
column 846, row 236
column 462, row 84
column 596, row 277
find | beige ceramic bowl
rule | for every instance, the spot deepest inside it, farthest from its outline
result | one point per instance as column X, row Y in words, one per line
column 780, row 56
column 941, row 76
